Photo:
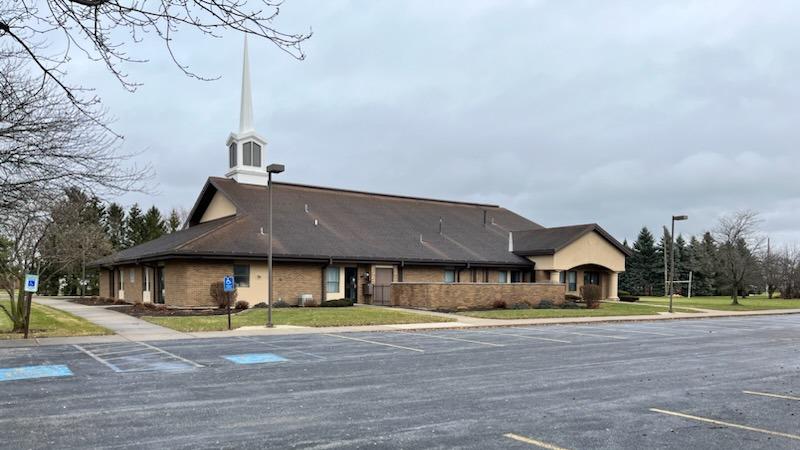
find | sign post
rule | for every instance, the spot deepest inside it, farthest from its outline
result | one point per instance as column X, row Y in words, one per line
column 31, row 286
column 229, row 286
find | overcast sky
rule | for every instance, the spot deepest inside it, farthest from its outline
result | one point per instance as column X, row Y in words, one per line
column 616, row 112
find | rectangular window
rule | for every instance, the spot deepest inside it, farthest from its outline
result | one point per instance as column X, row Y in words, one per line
column 332, row 279
column 572, row 281
column 241, row 275
column 121, row 279
column 247, row 153
column 562, row 277
column 591, row 278
column 133, row 275
column 502, row 277
column 449, row 276
column 516, row 276
column 256, row 155
column 232, row 154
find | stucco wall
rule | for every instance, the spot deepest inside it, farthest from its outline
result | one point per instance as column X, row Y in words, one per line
column 590, row 248
column 218, row 207
column 455, row 296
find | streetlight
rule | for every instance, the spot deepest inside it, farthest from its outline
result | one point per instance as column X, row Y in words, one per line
column 672, row 258
column 272, row 168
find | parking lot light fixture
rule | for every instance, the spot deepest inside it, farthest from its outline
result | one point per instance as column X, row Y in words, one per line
column 672, row 258
column 272, row 168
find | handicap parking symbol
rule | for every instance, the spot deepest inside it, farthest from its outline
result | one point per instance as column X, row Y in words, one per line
column 228, row 284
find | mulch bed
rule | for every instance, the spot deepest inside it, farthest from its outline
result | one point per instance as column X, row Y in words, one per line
column 94, row 301
column 139, row 311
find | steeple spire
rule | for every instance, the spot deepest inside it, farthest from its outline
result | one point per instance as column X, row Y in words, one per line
column 246, row 109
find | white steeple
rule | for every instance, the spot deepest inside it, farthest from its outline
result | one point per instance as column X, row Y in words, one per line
column 246, row 148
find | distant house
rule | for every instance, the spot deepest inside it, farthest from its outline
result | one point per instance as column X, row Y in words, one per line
column 335, row 243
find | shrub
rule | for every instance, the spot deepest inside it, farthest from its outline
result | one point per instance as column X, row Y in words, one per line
column 572, row 297
column 281, row 304
column 628, row 298
column 520, row 306
column 545, row 304
column 622, row 293
column 570, row 305
column 337, row 302
column 311, row 302
column 241, row 305
column 592, row 295
column 119, row 302
column 221, row 298
column 264, row 304
column 499, row 304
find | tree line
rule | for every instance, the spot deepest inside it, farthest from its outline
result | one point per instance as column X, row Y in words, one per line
column 731, row 259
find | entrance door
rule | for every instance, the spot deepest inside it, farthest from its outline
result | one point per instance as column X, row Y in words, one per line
column 350, row 283
column 383, row 286
column 591, row 277
column 159, row 285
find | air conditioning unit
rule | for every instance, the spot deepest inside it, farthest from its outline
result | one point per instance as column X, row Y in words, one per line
column 305, row 298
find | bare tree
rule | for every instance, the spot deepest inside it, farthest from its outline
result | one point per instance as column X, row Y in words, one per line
column 47, row 144
column 106, row 30
column 738, row 243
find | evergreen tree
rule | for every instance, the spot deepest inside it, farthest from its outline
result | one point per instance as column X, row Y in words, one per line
column 114, row 225
column 136, row 230
column 625, row 282
column 644, row 265
column 154, row 225
column 174, row 221
column 707, row 264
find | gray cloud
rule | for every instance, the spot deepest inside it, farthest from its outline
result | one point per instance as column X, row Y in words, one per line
column 620, row 113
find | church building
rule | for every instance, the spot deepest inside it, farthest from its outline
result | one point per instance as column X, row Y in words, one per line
column 374, row 248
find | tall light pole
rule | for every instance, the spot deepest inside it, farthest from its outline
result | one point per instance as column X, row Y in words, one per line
column 272, row 168
column 672, row 258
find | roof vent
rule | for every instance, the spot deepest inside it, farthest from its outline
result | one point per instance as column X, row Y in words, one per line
column 441, row 224
column 316, row 222
column 510, row 241
column 306, row 208
column 261, row 230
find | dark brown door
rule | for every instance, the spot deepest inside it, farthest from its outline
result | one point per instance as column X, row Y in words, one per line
column 383, row 286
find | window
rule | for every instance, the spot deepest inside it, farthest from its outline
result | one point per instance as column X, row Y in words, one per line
column 145, row 280
column 132, row 274
column 256, row 155
column 241, row 275
column 232, row 154
column 332, row 279
column 247, row 153
column 449, row 276
column 591, row 278
column 572, row 281
column 562, row 277
column 121, row 280
column 516, row 276
column 502, row 277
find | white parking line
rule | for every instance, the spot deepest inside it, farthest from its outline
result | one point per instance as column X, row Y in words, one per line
column 726, row 424
column 491, row 344
column 281, row 349
column 767, row 394
column 187, row 361
column 375, row 342
column 101, row 361
column 535, row 442
column 522, row 336
column 622, row 338
column 625, row 330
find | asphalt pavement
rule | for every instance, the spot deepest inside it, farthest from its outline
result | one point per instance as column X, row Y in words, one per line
column 712, row 383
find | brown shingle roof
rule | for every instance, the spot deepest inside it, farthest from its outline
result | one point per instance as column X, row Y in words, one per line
column 547, row 241
column 341, row 225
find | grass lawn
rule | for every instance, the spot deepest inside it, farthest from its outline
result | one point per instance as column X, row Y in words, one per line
column 606, row 309
column 306, row 317
column 752, row 303
column 49, row 322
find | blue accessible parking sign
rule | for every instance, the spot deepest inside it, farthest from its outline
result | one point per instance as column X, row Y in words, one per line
column 31, row 283
column 228, row 284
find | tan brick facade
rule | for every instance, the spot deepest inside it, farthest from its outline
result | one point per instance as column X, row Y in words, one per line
column 105, row 285
column 455, row 296
column 293, row 280
column 423, row 274
column 188, row 283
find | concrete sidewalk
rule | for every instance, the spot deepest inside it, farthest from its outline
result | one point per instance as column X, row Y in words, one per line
column 125, row 326
column 129, row 328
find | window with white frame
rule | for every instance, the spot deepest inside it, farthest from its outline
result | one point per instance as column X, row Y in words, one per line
column 449, row 276
column 572, row 281
column 332, row 279
column 502, row 277
column 121, row 274
column 562, row 277
column 251, row 154
column 241, row 275
column 132, row 274
column 232, row 154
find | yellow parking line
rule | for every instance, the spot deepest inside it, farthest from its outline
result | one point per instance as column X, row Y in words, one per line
column 767, row 394
column 375, row 342
column 528, row 440
column 726, row 424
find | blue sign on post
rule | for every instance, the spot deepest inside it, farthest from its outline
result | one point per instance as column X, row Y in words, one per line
column 228, row 284
column 31, row 283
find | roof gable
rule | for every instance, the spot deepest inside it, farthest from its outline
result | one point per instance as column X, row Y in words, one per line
column 548, row 241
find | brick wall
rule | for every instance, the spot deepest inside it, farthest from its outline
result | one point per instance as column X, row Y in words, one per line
column 423, row 274
column 187, row 283
column 292, row 280
column 455, row 296
column 104, row 283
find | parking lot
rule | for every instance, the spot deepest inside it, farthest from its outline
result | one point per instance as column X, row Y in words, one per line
column 711, row 383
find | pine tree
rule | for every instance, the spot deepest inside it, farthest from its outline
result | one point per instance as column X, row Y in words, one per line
column 174, row 221
column 114, row 225
column 135, row 226
column 154, row 226
column 644, row 265
column 625, row 282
